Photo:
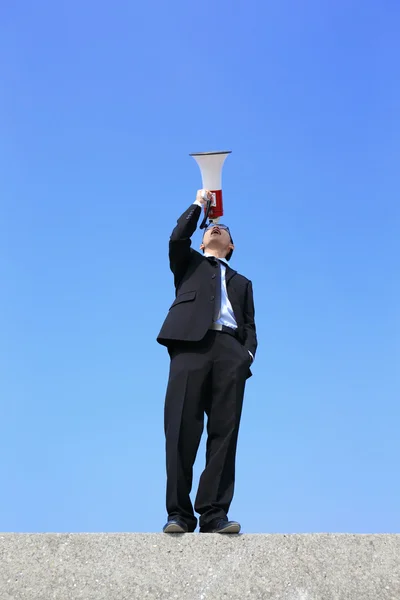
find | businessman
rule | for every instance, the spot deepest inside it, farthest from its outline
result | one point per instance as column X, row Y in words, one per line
column 211, row 338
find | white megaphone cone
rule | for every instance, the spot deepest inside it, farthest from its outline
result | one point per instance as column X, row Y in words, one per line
column 211, row 164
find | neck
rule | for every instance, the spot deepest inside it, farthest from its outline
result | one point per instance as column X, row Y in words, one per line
column 215, row 252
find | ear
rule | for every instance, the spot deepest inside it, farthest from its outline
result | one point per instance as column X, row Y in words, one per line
column 231, row 246
column 202, row 246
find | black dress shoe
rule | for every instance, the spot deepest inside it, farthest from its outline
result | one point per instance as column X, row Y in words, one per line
column 221, row 526
column 175, row 525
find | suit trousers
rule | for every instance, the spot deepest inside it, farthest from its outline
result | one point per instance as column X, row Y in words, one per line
column 206, row 377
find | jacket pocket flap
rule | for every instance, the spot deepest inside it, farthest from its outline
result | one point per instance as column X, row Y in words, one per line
column 185, row 297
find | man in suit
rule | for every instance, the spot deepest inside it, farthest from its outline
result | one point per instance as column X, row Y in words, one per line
column 211, row 339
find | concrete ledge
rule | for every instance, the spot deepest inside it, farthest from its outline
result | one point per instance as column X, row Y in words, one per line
column 199, row 567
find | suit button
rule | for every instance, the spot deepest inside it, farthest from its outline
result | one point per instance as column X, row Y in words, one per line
column 212, row 298
column 213, row 276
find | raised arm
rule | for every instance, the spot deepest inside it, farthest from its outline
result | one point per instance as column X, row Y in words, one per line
column 180, row 242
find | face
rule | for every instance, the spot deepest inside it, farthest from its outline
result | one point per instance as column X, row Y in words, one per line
column 217, row 237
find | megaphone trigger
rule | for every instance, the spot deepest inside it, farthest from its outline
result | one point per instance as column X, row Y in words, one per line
column 210, row 197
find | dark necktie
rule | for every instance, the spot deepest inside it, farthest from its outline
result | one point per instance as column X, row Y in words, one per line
column 217, row 298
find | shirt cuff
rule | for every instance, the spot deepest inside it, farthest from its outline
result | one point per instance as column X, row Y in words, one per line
column 252, row 357
column 198, row 203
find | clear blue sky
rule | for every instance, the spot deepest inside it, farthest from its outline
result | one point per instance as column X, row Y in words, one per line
column 100, row 105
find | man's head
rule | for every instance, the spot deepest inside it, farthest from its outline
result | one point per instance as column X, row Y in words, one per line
column 217, row 240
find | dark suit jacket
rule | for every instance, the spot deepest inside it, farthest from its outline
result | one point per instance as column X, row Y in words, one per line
column 191, row 313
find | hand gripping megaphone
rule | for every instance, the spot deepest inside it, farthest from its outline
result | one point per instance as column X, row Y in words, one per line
column 211, row 164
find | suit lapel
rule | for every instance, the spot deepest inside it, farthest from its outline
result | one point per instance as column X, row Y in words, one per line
column 229, row 273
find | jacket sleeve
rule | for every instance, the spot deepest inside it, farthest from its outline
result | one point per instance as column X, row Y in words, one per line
column 250, row 335
column 180, row 243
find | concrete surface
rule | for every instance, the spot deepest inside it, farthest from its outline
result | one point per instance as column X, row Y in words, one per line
column 199, row 567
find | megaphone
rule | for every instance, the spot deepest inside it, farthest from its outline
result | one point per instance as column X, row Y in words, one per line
column 211, row 164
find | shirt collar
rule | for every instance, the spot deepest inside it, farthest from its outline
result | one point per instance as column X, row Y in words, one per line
column 207, row 254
